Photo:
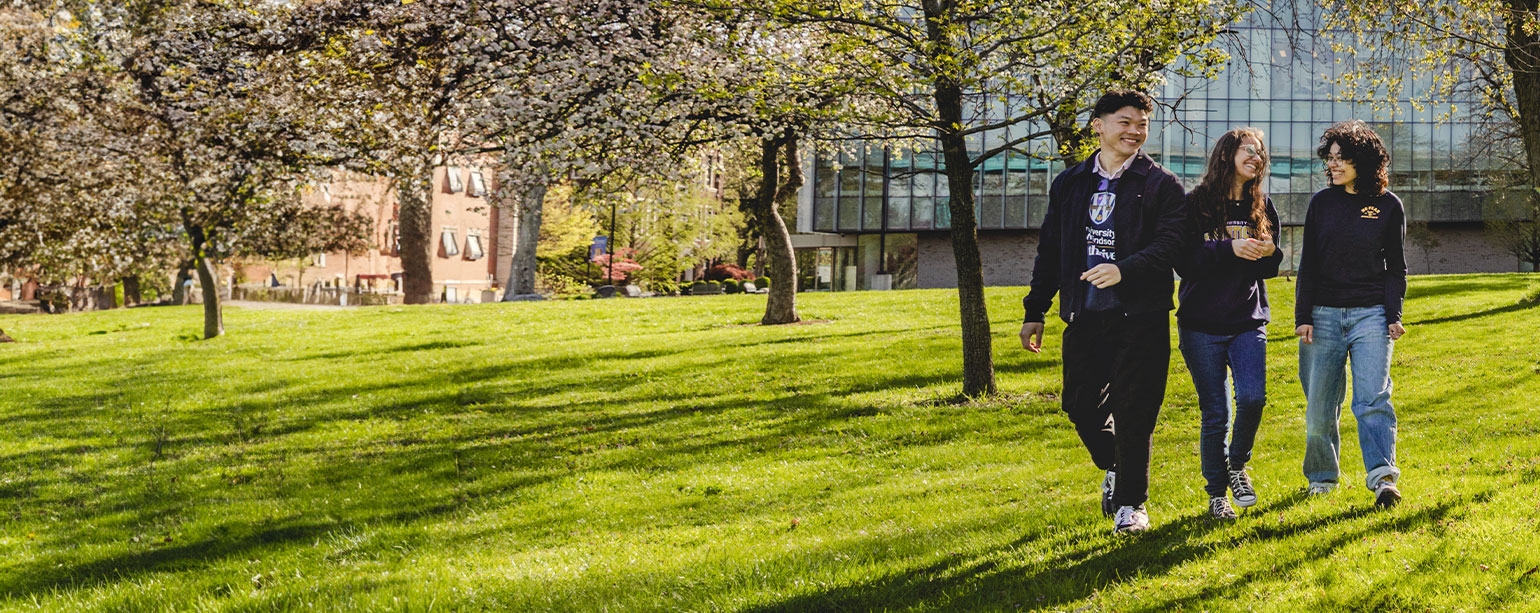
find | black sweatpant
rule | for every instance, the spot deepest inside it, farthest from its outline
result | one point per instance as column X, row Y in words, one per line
column 1114, row 382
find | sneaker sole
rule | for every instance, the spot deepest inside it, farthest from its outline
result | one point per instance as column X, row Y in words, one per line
column 1245, row 502
column 1387, row 498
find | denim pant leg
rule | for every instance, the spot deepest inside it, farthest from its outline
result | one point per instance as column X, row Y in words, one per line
column 1369, row 348
column 1207, row 358
column 1322, row 373
column 1248, row 372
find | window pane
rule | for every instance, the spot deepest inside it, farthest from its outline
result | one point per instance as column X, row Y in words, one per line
column 825, row 180
column 823, row 214
column 871, row 211
column 991, row 200
column 898, row 213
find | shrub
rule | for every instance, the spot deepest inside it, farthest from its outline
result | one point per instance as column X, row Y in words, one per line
column 732, row 286
column 723, row 272
column 560, row 287
column 762, row 282
column 666, row 288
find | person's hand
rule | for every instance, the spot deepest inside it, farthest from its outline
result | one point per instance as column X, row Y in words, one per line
column 1397, row 331
column 1266, row 243
column 1305, row 333
column 1032, row 336
column 1251, row 249
column 1103, row 276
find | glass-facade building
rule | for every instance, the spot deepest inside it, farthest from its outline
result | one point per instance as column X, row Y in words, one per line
column 1287, row 90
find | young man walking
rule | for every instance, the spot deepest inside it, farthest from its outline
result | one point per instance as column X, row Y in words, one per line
column 1113, row 230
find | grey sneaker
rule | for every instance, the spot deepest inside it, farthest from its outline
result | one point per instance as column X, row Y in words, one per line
column 1320, row 488
column 1219, row 508
column 1240, row 485
column 1385, row 494
column 1129, row 520
column 1108, row 484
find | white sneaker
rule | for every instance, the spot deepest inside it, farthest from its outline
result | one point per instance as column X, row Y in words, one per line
column 1129, row 520
column 1240, row 485
column 1320, row 488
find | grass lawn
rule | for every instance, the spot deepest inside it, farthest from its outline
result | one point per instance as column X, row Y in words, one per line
column 668, row 454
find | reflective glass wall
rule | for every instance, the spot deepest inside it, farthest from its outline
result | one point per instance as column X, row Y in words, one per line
column 1286, row 91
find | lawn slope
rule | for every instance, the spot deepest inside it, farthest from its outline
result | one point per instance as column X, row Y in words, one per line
column 668, row 454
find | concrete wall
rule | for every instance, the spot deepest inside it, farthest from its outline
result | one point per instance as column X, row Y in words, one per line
column 1007, row 258
column 1463, row 247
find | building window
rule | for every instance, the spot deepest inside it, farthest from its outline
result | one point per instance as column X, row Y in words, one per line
column 478, row 184
column 455, row 184
column 391, row 245
column 450, row 244
column 473, row 250
column 320, row 259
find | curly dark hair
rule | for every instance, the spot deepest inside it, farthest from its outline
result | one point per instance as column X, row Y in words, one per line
column 1362, row 147
column 1209, row 197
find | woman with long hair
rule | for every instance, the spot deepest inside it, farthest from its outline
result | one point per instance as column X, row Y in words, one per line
column 1351, row 286
column 1222, row 320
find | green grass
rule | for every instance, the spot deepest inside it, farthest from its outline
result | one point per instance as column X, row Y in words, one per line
column 667, row 454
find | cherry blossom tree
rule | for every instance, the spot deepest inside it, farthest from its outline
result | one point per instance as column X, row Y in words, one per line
column 954, row 70
column 195, row 130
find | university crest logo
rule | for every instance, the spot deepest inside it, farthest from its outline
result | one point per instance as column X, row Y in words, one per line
column 1101, row 206
column 1370, row 212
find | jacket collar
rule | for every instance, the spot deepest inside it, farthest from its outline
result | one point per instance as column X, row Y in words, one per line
column 1141, row 165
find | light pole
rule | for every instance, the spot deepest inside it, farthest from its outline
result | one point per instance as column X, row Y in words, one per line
column 609, row 274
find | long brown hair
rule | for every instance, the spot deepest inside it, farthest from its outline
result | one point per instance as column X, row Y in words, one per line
column 1208, row 199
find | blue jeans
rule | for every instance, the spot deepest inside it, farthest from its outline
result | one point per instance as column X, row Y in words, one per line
column 1211, row 358
column 1341, row 334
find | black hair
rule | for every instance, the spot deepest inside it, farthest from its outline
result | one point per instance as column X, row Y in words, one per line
column 1363, row 148
column 1116, row 99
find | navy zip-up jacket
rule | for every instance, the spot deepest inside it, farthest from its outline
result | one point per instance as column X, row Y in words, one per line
column 1223, row 294
column 1150, row 218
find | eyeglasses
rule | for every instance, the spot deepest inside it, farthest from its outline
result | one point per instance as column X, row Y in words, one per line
column 1333, row 157
column 1251, row 150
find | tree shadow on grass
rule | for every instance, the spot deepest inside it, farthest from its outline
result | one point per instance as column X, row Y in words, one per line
column 45, row 577
column 1462, row 285
column 1099, row 565
column 1459, row 317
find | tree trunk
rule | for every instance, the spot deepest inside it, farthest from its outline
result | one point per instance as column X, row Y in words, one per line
column 781, row 303
column 521, row 274
column 1520, row 55
column 978, row 356
column 130, row 290
column 414, row 200
column 213, row 317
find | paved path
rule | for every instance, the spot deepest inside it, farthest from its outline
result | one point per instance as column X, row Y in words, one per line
column 282, row 306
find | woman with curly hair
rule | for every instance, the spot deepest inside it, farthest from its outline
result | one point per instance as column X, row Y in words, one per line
column 1351, row 285
column 1222, row 321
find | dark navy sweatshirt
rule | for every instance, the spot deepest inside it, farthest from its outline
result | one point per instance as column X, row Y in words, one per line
column 1354, row 254
column 1223, row 294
